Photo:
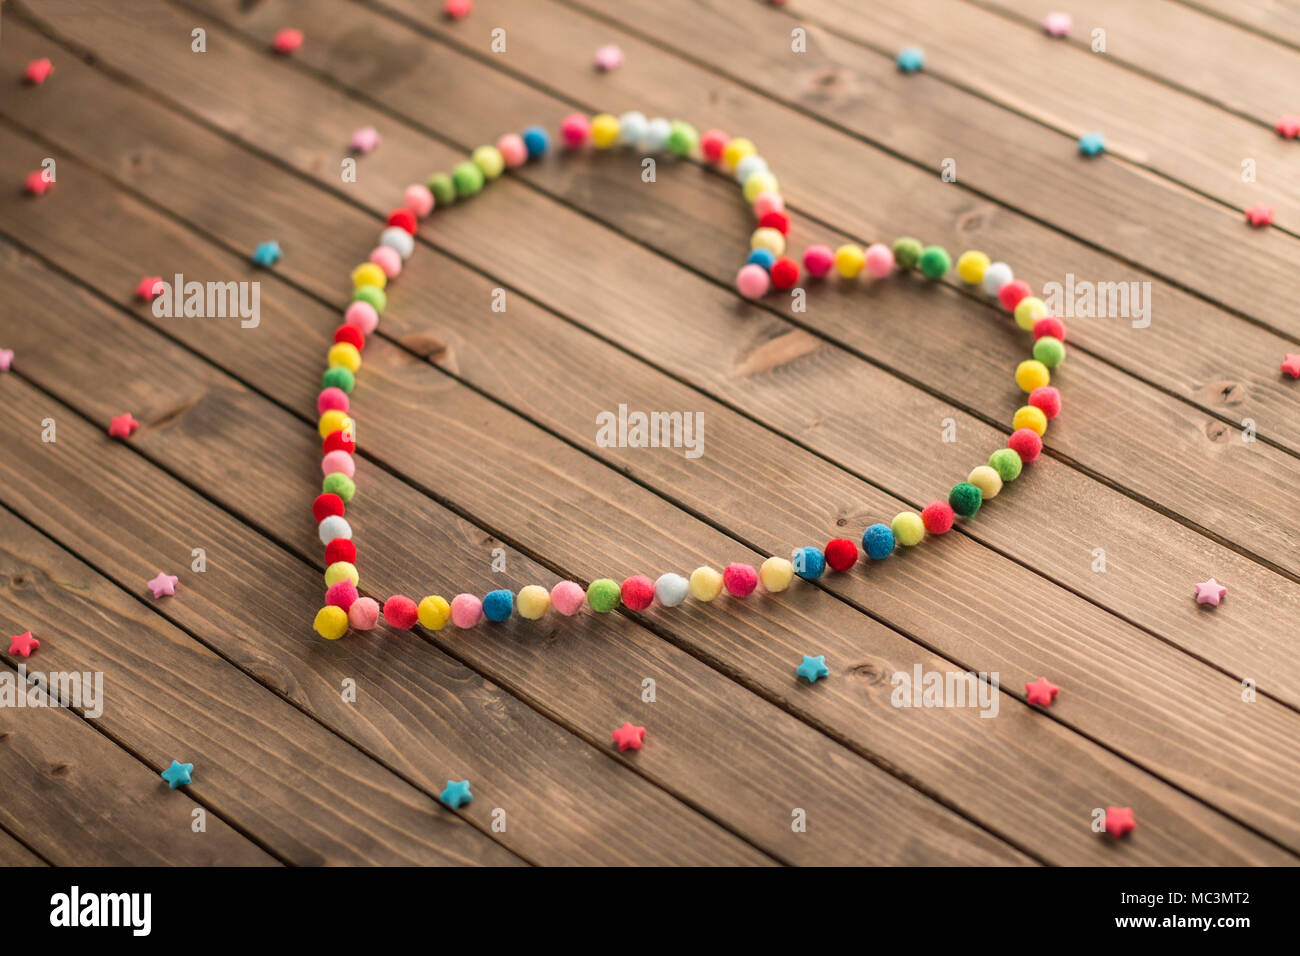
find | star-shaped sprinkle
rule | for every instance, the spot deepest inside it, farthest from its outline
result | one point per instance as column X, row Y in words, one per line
column 1290, row 364
column 365, row 139
column 1259, row 215
column 1288, row 126
column 1092, row 144
column 629, row 737
column 287, row 41
column 1119, row 821
column 38, row 71
column 23, row 644
column 1041, row 691
column 458, row 9
column 36, row 184
column 267, row 254
column 609, row 57
column 457, row 794
column 148, row 289
column 813, row 667
column 910, row 59
column 1210, row 592
column 178, row 774
column 123, row 426
column 1058, row 24
column 7, row 360
column 163, row 585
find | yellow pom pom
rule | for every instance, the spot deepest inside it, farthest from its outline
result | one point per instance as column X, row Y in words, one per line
column 908, row 528
column 489, row 160
column 331, row 622
column 736, row 150
column 604, row 130
column 759, row 183
column 987, row 480
column 333, row 421
column 344, row 354
column 1028, row 311
column 341, row 571
column 369, row 274
column 849, row 260
column 532, row 601
column 971, row 266
column 1032, row 374
column 776, row 574
column 433, row 612
column 1029, row 416
column 706, row 584
column 769, row 239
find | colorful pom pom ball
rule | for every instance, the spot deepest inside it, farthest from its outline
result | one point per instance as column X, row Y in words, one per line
column 466, row 611
column 752, row 281
column 332, row 399
column 339, row 377
column 987, row 480
column 637, row 592
column 1047, row 400
column 533, row 601
column 841, row 554
column 603, row 594
column 784, row 273
column 775, row 220
column 934, row 262
column 399, row 240
column 1028, row 311
column 1006, row 463
column 907, row 252
column 434, row 612
column 567, row 597
column 908, row 528
column 705, row 583
column 467, row 177
column 418, row 199
column 768, row 203
column 878, row 541
column 880, row 260
column 818, row 260
column 335, row 526
column 400, row 612
column 403, row 219
column 339, row 484
column 498, row 605
column 1011, row 293
column 997, row 275
column 326, row 505
column 965, row 499
column 1026, row 443
column 736, row 150
column 339, row 462
column 765, row 237
column 537, row 141
column 739, row 579
column 1032, row 374
column 575, row 129
column 1049, row 325
column 971, row 265
column 671, row 589
column 937, row 517
column 1030, row 417
column 363, row 314
column 849, row 260
column 364, row 613
column 632, row 128
column 809, row 563
column 341, row 571
column 331, row 622
column 341, row 594
column 712, row 143
column 776, row 574
column 604, row 130
column 513, row 150
column 761, row 257
column 1050, row 351
column 489, row 160
column 340, row 549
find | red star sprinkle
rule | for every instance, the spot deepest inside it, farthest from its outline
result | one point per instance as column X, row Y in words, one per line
column 1042, row 691
column 36, row 184
column 1288, row 126
column 148, row 289
column 1259, row 215
column 1291, row 365
column 38, row 71
column 287, row 41
column 123, row 426
column 23, row 644
column 629, row 737
column 1119, row 821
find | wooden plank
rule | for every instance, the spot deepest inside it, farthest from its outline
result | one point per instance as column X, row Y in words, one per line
column 13, row 853
column 1274, row 18
column 300, row 791
column 564, row 505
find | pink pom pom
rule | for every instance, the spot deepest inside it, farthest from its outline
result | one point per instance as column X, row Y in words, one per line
column 1025, row 443
column 400, row 612
column 466, row 610
column 567, row 597
column 418, row 199
column 512, row 149
column 739, row 579
column 1047, row 399
column 818, row 260
column 337, row 461
column 575, row 128
column 388, row 259
column 343, row 594
column 332, row 399
column 752, row 281
column 880, row 260
column 765, row 203
column 712, row 144
column 364, row 613
column 362, row 315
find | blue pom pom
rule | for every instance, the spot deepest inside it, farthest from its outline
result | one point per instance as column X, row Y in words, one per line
column 809, row 563
column 536, row 141
column 911, row 59
column 761, row 257
column 878, row 541
column 497, row 605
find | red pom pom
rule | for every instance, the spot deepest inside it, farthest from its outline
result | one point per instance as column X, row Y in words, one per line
column 343, row 594
column 1047, row 399
column 326, row 505
column 784, row 273
column 338, row 441
column 350, row 334
column 841, row 554
column 403, row 219
column 739, row 579
column 713, row 143
column 1025, row 443
column 400, row 612
column 775, row 220
column 937, row 517
column 637, row 592
column 1011, row 293
column 340, row 549
column 1049, row 325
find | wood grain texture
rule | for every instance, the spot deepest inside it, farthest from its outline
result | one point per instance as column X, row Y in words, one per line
column 1277, row 19
column 13, row 853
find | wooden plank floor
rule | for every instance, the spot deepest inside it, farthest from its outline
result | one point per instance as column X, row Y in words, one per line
column 1177, row 458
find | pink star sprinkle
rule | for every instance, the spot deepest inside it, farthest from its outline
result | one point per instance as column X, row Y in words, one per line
column 6, row 359
column 148, row 289
column 1288, row 126
column 365, row 139
column 36, row 183
column 1058, row 24
column 1119, row 821
column 458, row 9
column 123, row 426
column 609, row 57
column 1259, row 215
column 38, row 71
column 162, row 585
column 1210, row 592
column 1042, row 692
column 1290, row 365
column 23, row 644
column 287, row 41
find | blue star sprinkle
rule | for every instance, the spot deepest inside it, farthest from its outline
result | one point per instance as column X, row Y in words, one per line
column 267, row 254
column 457, row 794
column 910, row 59
column 813, row 668
column 177, row 774
column 1090, row 144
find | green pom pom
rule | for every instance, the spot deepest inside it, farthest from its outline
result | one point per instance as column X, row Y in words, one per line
column 682, row 138
column 1006, row 463
column 603, row 595
column 467, row 178
column 1050, row 351
column 965, row 498
column 935, row 262
column 372, row 294
column 337, row 483
column 444, row 192
column 338, row 377
column 907, row 252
